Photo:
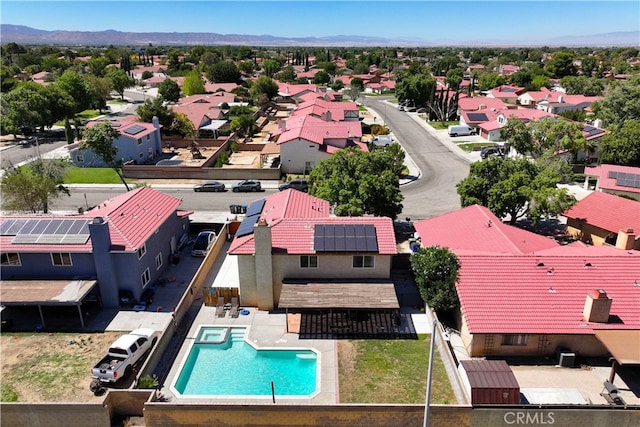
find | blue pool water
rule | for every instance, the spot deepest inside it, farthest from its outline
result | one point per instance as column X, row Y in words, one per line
column 221, row 363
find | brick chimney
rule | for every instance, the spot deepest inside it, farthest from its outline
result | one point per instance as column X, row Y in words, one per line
column 597, row 306
column 626, row 239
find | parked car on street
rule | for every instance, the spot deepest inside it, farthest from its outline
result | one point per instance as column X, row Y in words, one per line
column 491, row 151
column 296, row 184
column 203, row 243
column 214, row 186
column 247, row 185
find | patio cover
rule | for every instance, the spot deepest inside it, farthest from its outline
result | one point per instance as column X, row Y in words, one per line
column 44, row 292
column 339, row 295
column 624, row 345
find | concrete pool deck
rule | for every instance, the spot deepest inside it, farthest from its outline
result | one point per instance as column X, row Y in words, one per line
column 266, row 329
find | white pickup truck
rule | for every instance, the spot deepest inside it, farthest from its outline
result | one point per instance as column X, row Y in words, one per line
column 123, row 355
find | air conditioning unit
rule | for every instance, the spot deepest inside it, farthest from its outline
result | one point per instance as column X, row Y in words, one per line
column 566, row 357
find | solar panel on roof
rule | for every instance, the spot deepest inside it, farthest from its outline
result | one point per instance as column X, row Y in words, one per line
column 134, row 130
column 246, row 226
column 255, row 208
column 477, row 117
column 17, row 226
column 52, row 227
column 40, row 226
column 628, row 180
column 613, row 174
column 345, row 238
column 5, row 226
column 29, row 226
column 76, row 226
column 64, row 227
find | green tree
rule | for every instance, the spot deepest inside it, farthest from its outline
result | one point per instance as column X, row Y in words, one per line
column 287, row 75
column 515, row 132
column 337, row 85
column 436, row 272
column 156, row 108
column 169, row 90
column 23, row 106
column 561, row 65
column 120, row 80
column 488, row 81
column 264, row 86
column 621, row 103
column 270, row 67
column 223, row 72
column 193, row 84
column 99, row 139
column 182, row 126
column 357, row 182
column 555, row 134
column 100, row 89
column 81, row 93
column 321, row 78
column 622, row 146
column 244, row 124
column 32, row 187
column 416, row 89
column 515, row 188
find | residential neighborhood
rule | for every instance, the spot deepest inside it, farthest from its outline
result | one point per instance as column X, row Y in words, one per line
column 506, row 255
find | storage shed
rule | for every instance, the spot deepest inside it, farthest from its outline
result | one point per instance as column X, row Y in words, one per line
column 489, row 382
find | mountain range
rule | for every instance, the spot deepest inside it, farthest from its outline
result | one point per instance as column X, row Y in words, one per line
column 26, row 35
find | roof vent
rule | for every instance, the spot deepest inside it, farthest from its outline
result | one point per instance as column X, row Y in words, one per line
column 552, row 291
column 540, row 264
column 550, row 271
column 587, row 265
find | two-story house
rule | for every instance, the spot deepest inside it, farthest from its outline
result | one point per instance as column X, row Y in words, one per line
column 139, row 142
column 124, row 243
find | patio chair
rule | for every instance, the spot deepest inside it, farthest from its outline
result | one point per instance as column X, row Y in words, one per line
column 220, row 307
column 234, row 307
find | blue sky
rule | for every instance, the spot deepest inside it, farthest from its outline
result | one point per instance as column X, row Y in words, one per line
column 404, row 20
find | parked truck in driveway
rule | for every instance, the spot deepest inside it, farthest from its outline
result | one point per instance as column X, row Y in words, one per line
column 123, row 354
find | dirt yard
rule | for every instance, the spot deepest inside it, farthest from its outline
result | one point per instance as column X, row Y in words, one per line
column 51, row 367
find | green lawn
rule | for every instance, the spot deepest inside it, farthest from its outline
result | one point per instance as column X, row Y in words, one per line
column 468, row 146
column 83, row 116
column 390, row 371
column 439, row 125
column 76, row 175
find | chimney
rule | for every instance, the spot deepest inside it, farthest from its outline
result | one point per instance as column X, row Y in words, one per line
column 102, row 257
column 626, row 239
column 327, row 116
column 282, row 125
column 263, row 264
column 597, row 306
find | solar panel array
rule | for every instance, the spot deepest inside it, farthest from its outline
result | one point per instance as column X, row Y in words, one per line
column 508, row 89
column 46, row 231
column 477, row 117
column 345, row 238
column 246, row 226
column 134, row 130
column 625, row 179
column 255, row 208
column 591, row 131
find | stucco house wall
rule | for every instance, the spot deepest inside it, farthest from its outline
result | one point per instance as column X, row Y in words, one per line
column 298, row 153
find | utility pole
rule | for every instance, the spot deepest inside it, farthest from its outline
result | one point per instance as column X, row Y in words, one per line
column 430, row 373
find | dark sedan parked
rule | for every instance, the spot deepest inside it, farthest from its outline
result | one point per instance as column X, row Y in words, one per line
column 214, row 186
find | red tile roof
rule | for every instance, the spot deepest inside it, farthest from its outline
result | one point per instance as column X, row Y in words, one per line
column 545, row 294
column 607, row 211
column 480, row 103
column 284, row 230
column 475, row 229
column 132, row 218
column 606, row 183
column 292, row 215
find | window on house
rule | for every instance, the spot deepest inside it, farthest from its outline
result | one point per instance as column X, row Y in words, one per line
column 79, row 158
column 141, row 155
column 514, row 339
column 158, row 261
column 10, row 258
column 146, row 276
column 309, row 261
column 139, row 140
column 142, row 250
column 148, row 136
column 363, row 261
column 62, row 259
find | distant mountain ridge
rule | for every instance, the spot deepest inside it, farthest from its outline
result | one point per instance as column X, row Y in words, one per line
column 26, row 35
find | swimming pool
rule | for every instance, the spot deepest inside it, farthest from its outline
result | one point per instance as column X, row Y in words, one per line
column 221, row 363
